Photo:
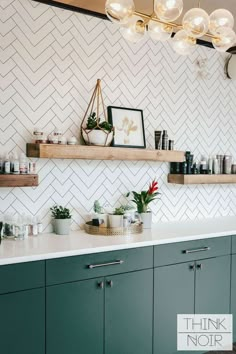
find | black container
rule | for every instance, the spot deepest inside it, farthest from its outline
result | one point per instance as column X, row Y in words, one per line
column 164, row 144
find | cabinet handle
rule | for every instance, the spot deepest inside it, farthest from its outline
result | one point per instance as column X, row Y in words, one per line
column 199, row 266
column 110, row 283
column 192, row 267
column 197, row 250
column 101, row 284
column 92, row 266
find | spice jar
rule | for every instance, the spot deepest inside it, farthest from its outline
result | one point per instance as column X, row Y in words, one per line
column 227, row 164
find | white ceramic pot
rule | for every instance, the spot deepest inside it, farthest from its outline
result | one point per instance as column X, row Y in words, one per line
column 116, row 220
column 62, row 226
column 146, row 219
column 97, row 137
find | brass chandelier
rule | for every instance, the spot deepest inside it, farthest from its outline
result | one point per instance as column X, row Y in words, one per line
column 161, row 24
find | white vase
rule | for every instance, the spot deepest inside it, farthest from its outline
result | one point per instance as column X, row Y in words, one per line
column 102, row 218
column 97, row 137
column 62, row 226
column 146, row 219
column 116, row 220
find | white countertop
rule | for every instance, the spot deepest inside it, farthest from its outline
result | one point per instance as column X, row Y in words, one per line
column 48, row 246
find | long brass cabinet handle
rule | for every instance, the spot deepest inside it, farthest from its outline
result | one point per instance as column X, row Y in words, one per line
column 92, row 266
column 197, row 250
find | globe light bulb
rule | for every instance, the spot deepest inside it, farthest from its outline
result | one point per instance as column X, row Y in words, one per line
column 183, row 44
column 119, row 11
column 168, row 10
column 220, row 18
column 158, row 31
column 226, row 38
column 133, row 30
column 196, row 22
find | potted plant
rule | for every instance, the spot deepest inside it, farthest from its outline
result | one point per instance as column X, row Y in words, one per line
column 96, row 132
column 116, row 218
column 142, row 200
column 130, row 212
column 99, row 215
column 62, row 219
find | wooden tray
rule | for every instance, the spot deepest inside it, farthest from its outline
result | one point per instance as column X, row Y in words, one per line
column 115, row 231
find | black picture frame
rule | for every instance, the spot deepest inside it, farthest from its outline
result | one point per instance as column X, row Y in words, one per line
column 113, row 112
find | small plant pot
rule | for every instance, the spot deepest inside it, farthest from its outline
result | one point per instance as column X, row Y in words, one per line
column 102, row 219
column 146, row 219
column 62, row 226
column 97, row 137
column 116, row 220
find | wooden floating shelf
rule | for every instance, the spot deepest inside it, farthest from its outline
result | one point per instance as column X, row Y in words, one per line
column 102, row 153
column 19, row 181
column 201, row 179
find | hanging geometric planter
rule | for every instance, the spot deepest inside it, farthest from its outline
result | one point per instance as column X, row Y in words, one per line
column 95, row 128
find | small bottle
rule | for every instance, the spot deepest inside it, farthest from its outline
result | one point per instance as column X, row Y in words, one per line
column 35, row 226
column 210, row 166
column 171, row 145
column 16, row 165
column 32, row 168
column 216, row 169
column 40, row 226
column 7, row 165
column 164, row 140
column 23, row 164
column 1, row 165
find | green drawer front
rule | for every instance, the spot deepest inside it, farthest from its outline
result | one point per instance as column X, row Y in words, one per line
column 191, row 250
column 22, row 276
column 75, row 268
column 234, row 244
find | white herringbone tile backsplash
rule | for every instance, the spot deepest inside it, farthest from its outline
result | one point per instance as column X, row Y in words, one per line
column 49, row 62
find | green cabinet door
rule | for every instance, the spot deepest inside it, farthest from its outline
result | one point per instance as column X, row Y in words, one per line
column 173, row 294
column 129, row 313
column 212, row 293
column 74, row 318
column 233, row 294
column 22, row 322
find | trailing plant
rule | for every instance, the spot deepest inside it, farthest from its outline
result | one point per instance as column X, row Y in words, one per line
column 94, row 123
column 97, row 207
column 144, row 198
column 119, row 211
column 58, row 212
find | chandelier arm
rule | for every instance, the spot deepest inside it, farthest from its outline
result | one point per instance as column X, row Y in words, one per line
column 148, row 18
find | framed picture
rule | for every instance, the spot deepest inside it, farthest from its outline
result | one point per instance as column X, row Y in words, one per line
column 129, row 127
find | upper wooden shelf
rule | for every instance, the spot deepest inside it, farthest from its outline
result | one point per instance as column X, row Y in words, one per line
column 102, row 153
column 19, row 181
column 201, row 179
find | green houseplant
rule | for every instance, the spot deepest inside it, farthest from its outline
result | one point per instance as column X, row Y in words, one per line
column 62, row 219
column 116, row 218
column 97, row 132
column 142, row 201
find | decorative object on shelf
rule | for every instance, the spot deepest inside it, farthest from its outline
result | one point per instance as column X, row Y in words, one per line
column 161, row 24
column 99, row 153
column 72, row 141
column 95, row 128
column 116, row 219
column 142, row 200
column 62, row 219
column 99, row 218
column 129, row 127
column 161, row 140
column 134, row 228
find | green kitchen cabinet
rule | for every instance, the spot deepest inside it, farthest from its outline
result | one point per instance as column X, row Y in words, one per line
column 75, row 317
column 212, row 294
column 22, row 322
column 129, row 313
column 173, row 294
column 233, row 294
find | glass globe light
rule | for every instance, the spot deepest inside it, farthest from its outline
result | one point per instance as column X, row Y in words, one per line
column 168, row 10
column 226, row 39
column 158, row 31
column 196, row 22
column 133, row 30
column 221, row 18
column 183, row 44
column 119, row 11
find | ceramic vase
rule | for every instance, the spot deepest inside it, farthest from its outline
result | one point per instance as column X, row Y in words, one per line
column 116, row 220
column 146, row 219
column 62, row 226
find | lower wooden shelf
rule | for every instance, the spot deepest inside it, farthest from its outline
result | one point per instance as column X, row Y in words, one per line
column 57, row 151
column 19, row 181
column 201, row 179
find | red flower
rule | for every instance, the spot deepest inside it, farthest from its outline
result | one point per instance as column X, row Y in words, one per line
column 153, row 187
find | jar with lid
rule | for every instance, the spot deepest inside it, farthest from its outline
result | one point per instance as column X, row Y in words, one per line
column 227, row 164
column 39, row 136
